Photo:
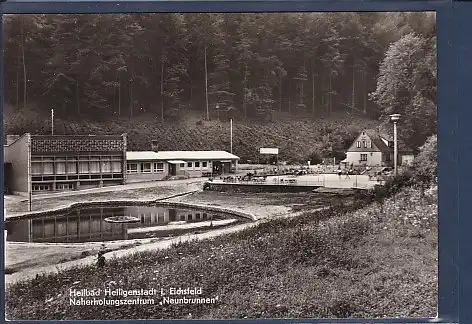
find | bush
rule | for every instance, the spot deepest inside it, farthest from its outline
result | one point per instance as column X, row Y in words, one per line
column 425, row 165
column 315, row 158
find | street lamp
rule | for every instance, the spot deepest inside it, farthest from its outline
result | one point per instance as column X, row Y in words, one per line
column 394, row 118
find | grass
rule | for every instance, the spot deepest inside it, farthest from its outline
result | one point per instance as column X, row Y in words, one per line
column 349, row 261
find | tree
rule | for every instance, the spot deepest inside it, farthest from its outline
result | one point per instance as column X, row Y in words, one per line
column 407, row 85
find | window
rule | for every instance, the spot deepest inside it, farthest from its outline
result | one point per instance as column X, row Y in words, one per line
column 36, row 168
column 132, row 168
column 64, row 186
column 60, row 168
column 363, row 157
column 204, row 164
column 363, row 133
column 48, row 167
column 83, row 167
column 370, row 144
column 106, row 166
column 146, row 167
column 71, row 168
column 40, row 187
column 159, row 167
column 116, row 167
column 358, row 144
column 365, row 144
column 182, row 165
column 94, row 167
column 197, row 164
column 189, row 164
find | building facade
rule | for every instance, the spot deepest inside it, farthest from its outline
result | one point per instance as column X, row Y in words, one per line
column 151, row 166
column 49, row 163
column 145, row 166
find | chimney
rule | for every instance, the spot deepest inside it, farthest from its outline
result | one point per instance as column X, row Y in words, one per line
column 12, row 138
column 154, row 146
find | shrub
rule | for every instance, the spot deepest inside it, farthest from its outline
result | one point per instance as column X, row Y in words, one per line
column 315, row 158
column 425, row 165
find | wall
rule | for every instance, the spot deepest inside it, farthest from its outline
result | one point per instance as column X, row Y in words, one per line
column 373, row 158
column 18, row 154
column 144, row 177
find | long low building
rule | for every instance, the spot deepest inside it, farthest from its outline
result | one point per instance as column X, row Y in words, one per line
column 45, row 163
column 151, row 165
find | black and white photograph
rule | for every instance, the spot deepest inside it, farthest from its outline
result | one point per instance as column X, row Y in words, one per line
column 206, row 166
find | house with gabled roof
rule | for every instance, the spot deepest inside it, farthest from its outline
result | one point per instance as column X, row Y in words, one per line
column 373, row 148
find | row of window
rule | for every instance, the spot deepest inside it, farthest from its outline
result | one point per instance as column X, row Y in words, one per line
column 59, row 186
column 145, row 167
column 76, row 158
column 364, row 157
column 48, row 168
column 365, row 144
column 196, row 164
column 157, row 167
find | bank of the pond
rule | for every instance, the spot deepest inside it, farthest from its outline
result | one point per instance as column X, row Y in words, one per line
column 348, row 261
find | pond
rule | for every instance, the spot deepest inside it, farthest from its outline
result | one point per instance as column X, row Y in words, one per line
column 97, row 224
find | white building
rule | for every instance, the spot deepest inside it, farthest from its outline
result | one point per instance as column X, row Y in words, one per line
column 373, row 149
column 151, row 166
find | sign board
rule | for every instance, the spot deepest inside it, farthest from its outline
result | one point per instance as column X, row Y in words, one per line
column 269, row 150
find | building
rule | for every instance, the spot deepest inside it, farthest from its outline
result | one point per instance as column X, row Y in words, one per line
column 160, row 165
column 371, row 148
column 48, row 163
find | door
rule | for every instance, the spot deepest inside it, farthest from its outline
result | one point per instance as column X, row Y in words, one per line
column 173, row 169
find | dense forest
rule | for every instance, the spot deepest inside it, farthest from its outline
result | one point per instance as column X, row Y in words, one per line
column 254, row 68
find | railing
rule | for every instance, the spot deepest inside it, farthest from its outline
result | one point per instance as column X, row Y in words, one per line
column 349, row 182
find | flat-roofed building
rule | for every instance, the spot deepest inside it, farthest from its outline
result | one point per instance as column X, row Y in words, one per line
column 44, row 163
column 151, row 165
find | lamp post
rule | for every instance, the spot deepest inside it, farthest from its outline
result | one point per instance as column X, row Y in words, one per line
column 394, row 118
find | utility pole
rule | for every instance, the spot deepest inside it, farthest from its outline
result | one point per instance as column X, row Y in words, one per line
column 395, row 118
column 52, row 121
column 231, row 134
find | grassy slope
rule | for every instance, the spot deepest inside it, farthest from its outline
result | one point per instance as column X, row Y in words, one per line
column 361, row 263
column 295, row 136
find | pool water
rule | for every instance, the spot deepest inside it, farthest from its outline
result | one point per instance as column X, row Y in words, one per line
column 90, row 224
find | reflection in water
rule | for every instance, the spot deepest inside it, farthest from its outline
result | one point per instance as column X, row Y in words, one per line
column 86, row 225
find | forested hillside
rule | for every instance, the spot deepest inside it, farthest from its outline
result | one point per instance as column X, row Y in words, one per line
column 286, row 78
